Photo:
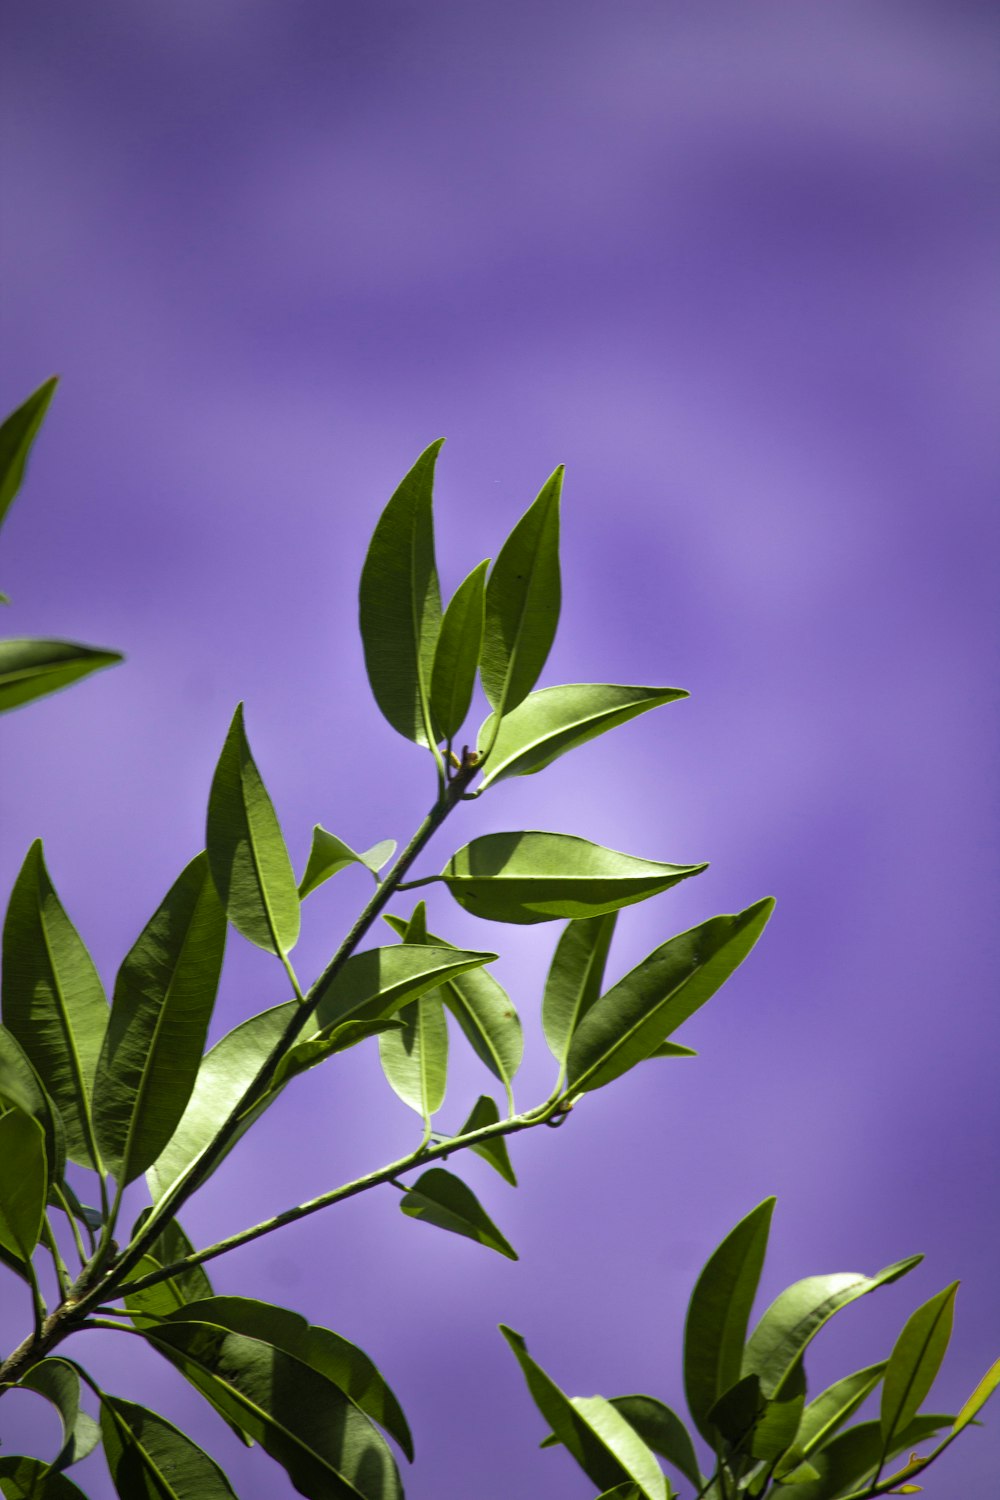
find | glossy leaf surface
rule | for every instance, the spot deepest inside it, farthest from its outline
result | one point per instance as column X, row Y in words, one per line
column 375, row 984
column 20, row 1085
column 456, row 658
column 162, row 1005
column 719, row 1312
column 662, row 1430
column 556, row 719
column 58, row 1382
column 246, row 850
column 852, row 1456
column 799, row 1312
column 535, row 877
column 637, row 1014
column 17, row 434
column 484, row 1112
column 31, row 1479
column 574, row 980
column 400, row 603
column 915, row 1361
column 32, row 668
column 53, row 1001
column 438, row 1197
column 522, row 602
column 150, row 1459
column 329, row 854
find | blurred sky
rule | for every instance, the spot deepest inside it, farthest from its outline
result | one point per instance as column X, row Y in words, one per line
column 736, row 266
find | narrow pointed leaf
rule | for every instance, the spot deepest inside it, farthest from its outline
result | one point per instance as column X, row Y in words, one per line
column 522, row 602
column 574, row 979
column 799, row 1312
column 852, row 1456
column 330, row 854
column 607, row 1448
column 736, row 1412
column 17, row 434
column 672, row 1049
column 830, row 1410
column 456, row 658
column 483, row 1009
column 327, row 1446
column 24, row 1182
column 440, row 1198
column 535, row 877
column 719, row 1312
column 31, row 1479
column 979, row 1398
column 246, row 850
column 21, row 1086
column 778, row 1425
column 556, row 719
column 162, row 1005
column 307, row 1055
column 53, row 1002
column 376, row 984
column 662, row 1430
column 915, row 1361
column 400, row 603
column 150, row 1459
column 638, row 1013
column 58, row 1381
column 485, row 1112
column 33, row 668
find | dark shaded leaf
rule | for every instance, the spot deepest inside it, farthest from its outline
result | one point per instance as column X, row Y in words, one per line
column 150, row 1460
column 557, row 719
column 24, row 1182
column 307, row 1055
column 31, row 1479
column 58, row 1381
column 17, row 434
column 163, row 1002
column 33, row 668
column 190, row 1285
column 400, row 603
column 329, row 854
column 830, row 1410
column 852, row 1456
column 485, row 1112
column 915, row 1361
column 20, row 1085
column 522, row 602
column 246, row 850
column 440, row 1198
column 456, row 658
column 574, row 979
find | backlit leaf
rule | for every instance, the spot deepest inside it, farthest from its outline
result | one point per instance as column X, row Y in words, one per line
column 415, row 1056
column 984, row 1390
column 17, row 434
column 556, row 719
column 852, row 1456
column 246, row 850
column 535, row 877
column 574, row 979
column 58, row 1381
column 189, row 1285
column 400, row 603
column 53, row 1001
column 162, row 1005
column 330, row 854
column 150, row 1459
column 663, row 1431
column 440, row 1198
column 522, row 602
column 484, row 1112
column 830, row 1410
column 915, row 1361
column 309, row 1054
column 456, row 658
column 33, row 668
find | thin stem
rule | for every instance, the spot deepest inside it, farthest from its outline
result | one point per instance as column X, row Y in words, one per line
column 74, row 1226
column 62, row 1274
column 37, row 1302
column 292, row 977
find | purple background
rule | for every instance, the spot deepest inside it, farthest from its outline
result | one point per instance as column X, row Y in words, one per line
column 735, row 265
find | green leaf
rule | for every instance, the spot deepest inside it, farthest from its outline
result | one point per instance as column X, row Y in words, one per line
column 850, row 1457
column 150, row 1460
column 31, row 1479
column 979, row 1398
column 415, row 1057
column 737, row 1412
column 33, row 668
column 162, row 1005
column 557, row 719
column 637, row 1014
column 400, row 603
column 376, row 984
column 662, row 1430
column 522, row 602
column 483, row 1009
column 574, row 979
column 17, row 434
column 719, row 1312
column 307, row 1055
column 24, row 1182
column 246, row 851
column 58, row 1381
column 608, row 1449
column 915, row 1361
column 830, row 1410
column 189, row 1285
column 456, row 657
column 534, row 877
column 778, row 1424
column 330, row 854
column 53, row 1002
column 325, row 1443
column 440, row 1198
column 672, row 1049
column 485, row 1112
column 21, row 1086
column 799, row 1312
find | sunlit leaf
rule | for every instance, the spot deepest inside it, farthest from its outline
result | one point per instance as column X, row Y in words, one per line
column 535, row 877
column 984, row 1390
column 522, row 602
column 58, row 1381
column 246, row 850
column 556, row 719
column 53, row 1002
column 663, row 1431
column 637, row 1014
column 400, row 603
column 190, row 1285
column 853, row 1455
column 438, row 1197
column 150, row 1459
column 31, row 1479
column 307, row 1055
column 20, row 1085
column 829, row 1411
column 484, row 1112
column 456, row 658
column 915, row 1361
column 17, row 434
column 574, row 979
column 719, row 1312
column 415, row 1056
column 377, row 983
column 330, row 854
column 33, row 668
column 162, row 1005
